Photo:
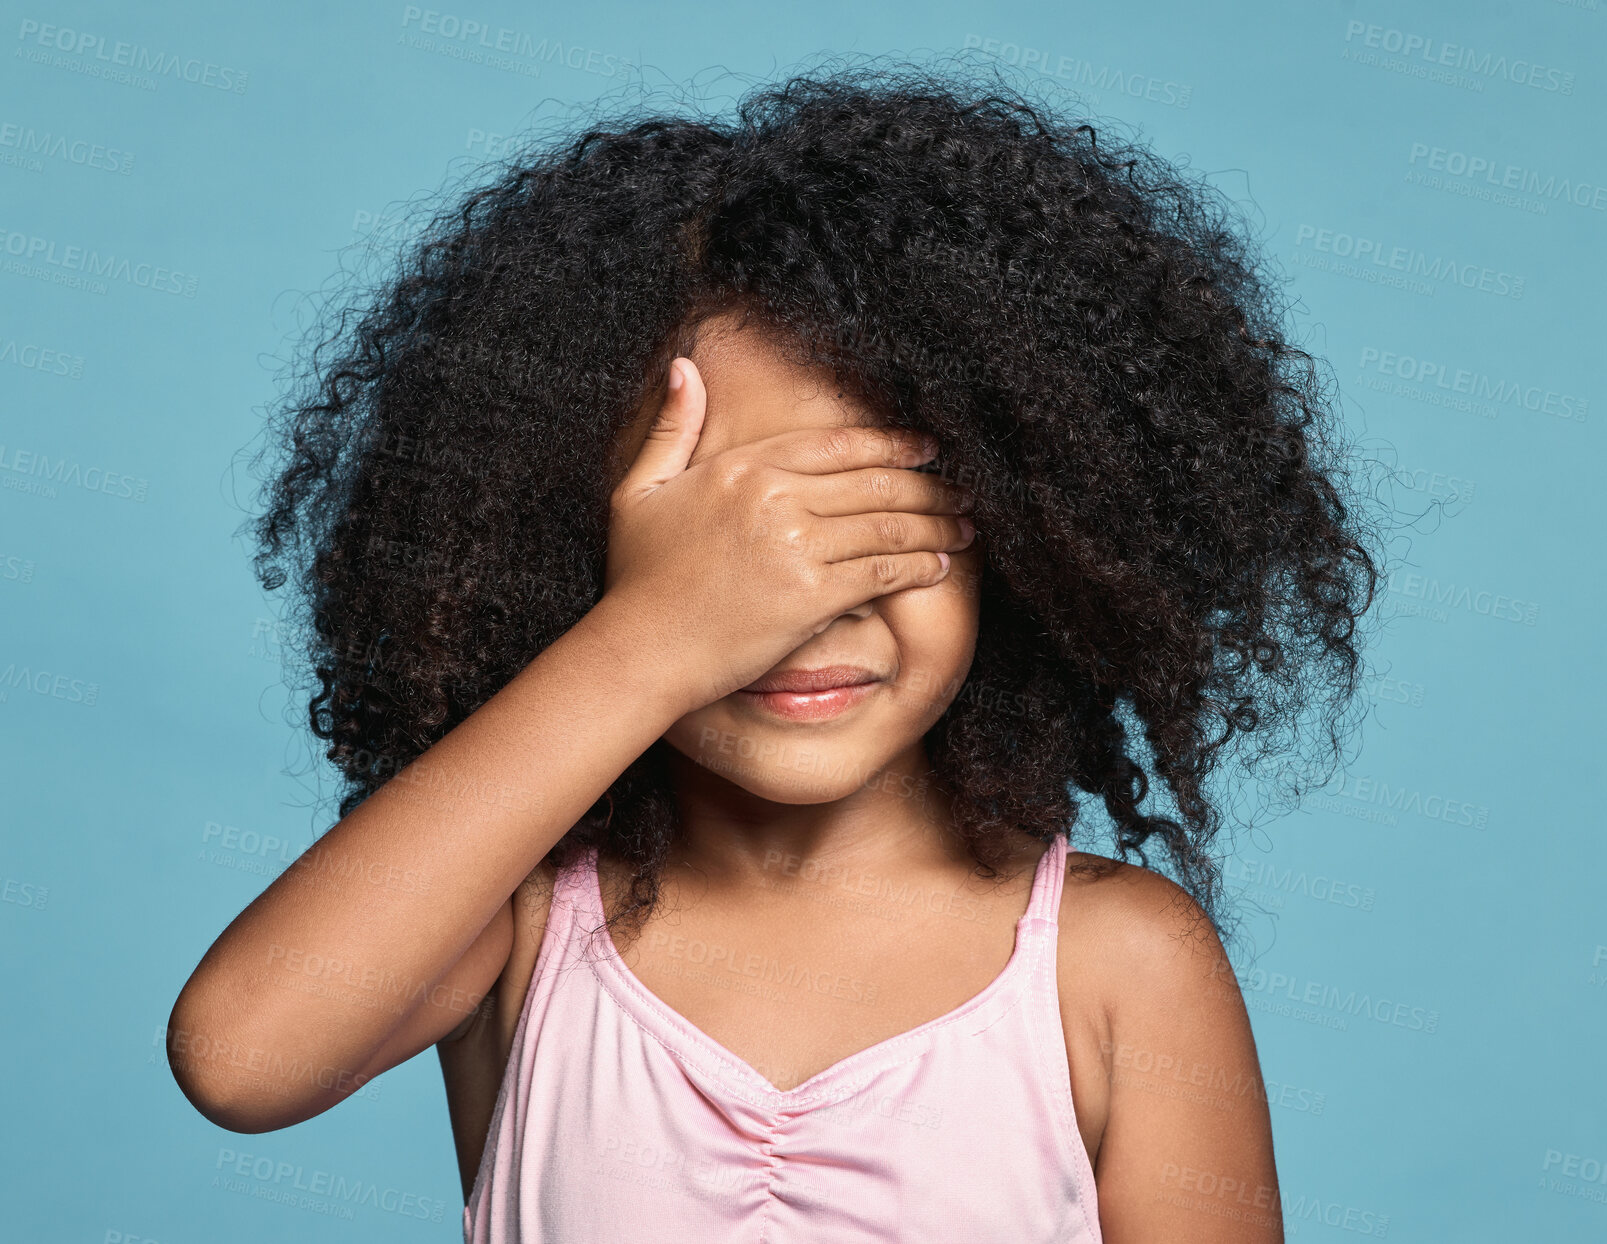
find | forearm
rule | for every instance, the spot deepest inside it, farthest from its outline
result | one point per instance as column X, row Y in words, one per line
column 351, row 939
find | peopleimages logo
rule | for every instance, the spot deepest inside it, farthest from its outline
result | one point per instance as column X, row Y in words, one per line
column 22, row 252
column 1373, row 259
column 1086, row 74
column 319, row 1188
column 480, row 38
column 1513, row 177
column 1339, row 999
column 40, row 358
column 1424, row 53
column 81, row 49
column 24, row 466
column 1290, row 880
column 1426, row 376
column 43, row 682
column 32, row 147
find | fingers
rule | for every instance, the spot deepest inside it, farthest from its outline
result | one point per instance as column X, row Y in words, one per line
column 876, row 489
column 821, row 451
column 674, row 433
column 871, row 535
column 866, row 578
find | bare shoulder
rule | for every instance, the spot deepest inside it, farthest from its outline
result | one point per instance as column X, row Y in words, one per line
column 1148, row 995
column 1128, row 918
column 1136, row 947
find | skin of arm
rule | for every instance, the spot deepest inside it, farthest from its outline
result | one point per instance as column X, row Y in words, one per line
column 339, row 968
column 1186, row 1152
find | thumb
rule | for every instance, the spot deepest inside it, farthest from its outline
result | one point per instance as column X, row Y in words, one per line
column 675, row 430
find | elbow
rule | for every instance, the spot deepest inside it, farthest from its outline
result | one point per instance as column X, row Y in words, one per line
column 238, row 1104
column 230, row 1113
column 228, row 1084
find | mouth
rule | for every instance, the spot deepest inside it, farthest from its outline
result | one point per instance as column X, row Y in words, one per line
column 811, row 695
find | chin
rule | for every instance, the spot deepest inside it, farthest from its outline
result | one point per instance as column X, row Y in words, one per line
column 797, row 771
column 784, row 766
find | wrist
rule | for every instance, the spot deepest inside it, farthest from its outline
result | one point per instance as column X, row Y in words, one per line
column 638, row 652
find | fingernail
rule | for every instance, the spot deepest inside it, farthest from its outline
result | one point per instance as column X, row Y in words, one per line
column 676, row 378
column 967, row 527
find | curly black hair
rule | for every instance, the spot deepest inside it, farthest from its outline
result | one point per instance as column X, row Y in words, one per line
column 1088, row 331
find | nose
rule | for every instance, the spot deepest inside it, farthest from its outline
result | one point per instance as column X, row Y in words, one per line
column 859, row 611
column 862, row 611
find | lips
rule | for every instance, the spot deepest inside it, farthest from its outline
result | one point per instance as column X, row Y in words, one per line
column 823, row 679
column 816, row 695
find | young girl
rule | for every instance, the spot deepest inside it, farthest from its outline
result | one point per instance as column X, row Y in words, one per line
column 726, row 548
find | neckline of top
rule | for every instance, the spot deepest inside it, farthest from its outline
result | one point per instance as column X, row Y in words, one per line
column 740, row 1076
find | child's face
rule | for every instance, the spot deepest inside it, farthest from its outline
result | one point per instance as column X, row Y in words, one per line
column 919, row 642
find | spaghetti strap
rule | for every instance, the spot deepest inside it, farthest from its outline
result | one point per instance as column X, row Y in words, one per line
column 1048, row 882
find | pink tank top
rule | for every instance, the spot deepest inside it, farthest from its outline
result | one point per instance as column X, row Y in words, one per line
column 618, row 1120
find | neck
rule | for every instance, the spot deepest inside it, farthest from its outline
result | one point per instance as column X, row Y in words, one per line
column 730, row 834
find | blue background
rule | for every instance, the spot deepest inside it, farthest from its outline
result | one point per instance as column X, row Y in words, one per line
column 1452, row 869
